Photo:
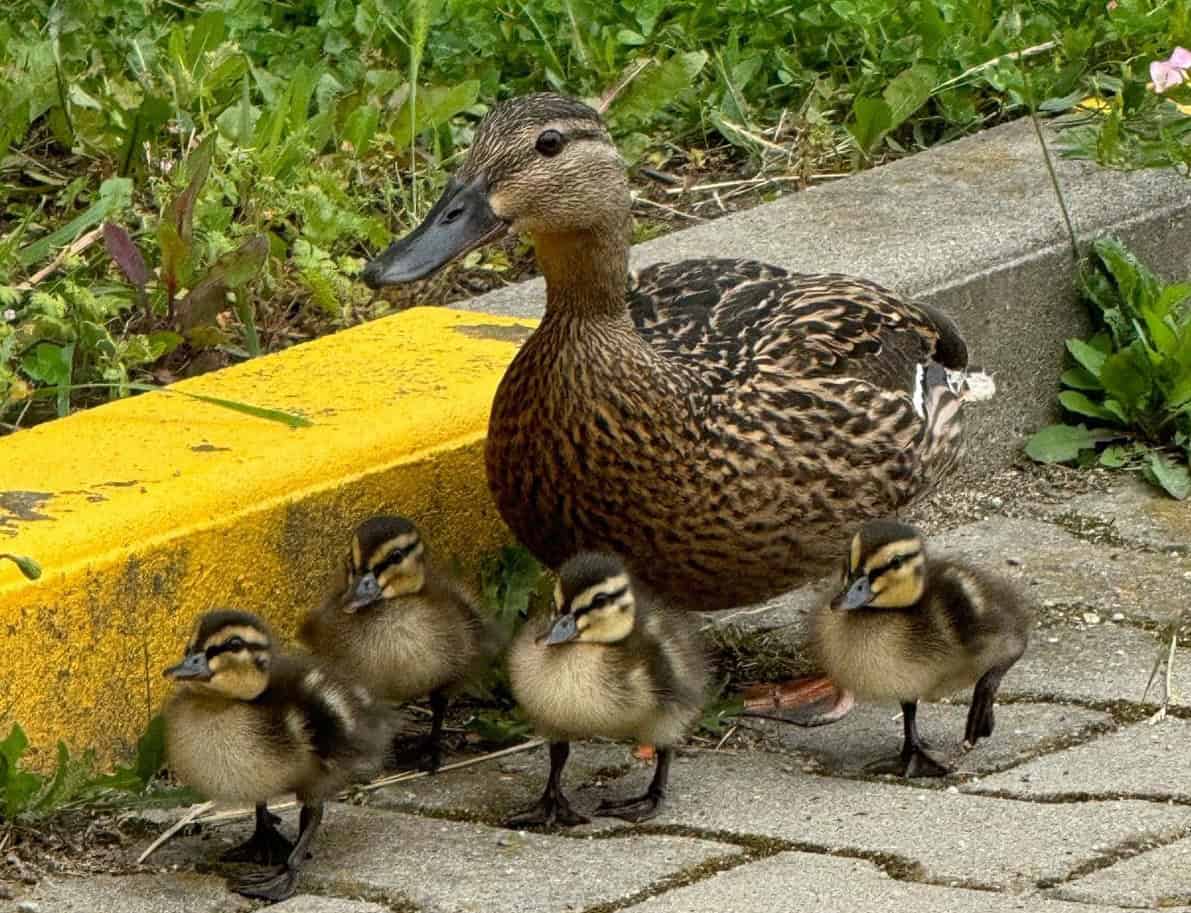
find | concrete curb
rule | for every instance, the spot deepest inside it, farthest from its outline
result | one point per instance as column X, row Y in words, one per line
column 148, row 511
column 972, row 227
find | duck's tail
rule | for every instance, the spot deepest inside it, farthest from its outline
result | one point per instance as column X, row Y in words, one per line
column 972, row 385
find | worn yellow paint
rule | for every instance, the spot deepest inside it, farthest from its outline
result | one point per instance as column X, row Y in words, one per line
column 146, row 512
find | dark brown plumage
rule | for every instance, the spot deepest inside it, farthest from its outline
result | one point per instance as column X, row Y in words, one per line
column 713, row 419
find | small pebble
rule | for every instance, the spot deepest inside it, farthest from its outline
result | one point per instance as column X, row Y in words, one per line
column 5, row 892
column 1013, row 562
column 954, row 790
column 1091, row 618
column 1118, row 616
column 27, row 906
column 1052, row 640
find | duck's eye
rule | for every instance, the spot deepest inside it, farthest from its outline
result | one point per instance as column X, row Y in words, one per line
column 235, row 645
column 897, row 562
column 550, row 143
column 600, row 601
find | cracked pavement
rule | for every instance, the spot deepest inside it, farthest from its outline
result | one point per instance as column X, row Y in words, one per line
column 1077, row 802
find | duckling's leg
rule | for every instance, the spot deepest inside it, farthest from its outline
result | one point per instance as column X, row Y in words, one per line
column 426, row 751
column 980, row 714
column 267, row 845
column 553, row 808
column 279, row 883
column 644, row 807
column 913, row 760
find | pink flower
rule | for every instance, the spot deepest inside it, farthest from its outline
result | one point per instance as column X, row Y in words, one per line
column 1111, row 5
column 1166, row 74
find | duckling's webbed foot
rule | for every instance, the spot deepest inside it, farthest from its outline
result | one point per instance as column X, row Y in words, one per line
column 426, row 752
column 647, row 806
column 913, row 760
column 553, row 809
column 279, row 883
column 640, row 809
column 274, row 885
column 549, row 811
column 267, row 845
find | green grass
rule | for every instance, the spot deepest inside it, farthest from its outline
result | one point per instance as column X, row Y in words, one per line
column 184, row 185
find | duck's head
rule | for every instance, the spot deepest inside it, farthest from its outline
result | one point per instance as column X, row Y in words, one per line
column 594, row 601
column 387, row 560
column 540, row 165
column 885, row 568
column 230, row 654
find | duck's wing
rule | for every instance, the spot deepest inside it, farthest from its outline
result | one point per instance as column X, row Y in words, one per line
column 739, row 319
column 345, row 727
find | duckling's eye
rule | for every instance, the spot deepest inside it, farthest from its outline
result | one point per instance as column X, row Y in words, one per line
column 550, row 143
column 235, row 645
column 600, row 601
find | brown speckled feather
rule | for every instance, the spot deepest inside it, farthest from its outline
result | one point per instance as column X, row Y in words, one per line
column 727, row 431
column 718, row 422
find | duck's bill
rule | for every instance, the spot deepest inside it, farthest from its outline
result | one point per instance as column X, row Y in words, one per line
column 563, row 631
column 366, row 591
column 460, row 221
column 858, row 594
column 192, row 669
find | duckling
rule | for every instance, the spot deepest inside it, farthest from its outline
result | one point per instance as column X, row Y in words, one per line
column 246, row 724
column 906, row 628
column 612, row 664
column 399, row 626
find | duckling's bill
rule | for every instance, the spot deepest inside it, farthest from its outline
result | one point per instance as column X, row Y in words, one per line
column 563, row 631
column 366, row 591
column 857, row 594
column 460, row 221
column 194, row 668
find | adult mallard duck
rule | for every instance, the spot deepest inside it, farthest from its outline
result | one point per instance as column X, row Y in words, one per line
column 714, row 419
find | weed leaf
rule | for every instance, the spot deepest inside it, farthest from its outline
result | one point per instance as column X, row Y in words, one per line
column 1062, row 443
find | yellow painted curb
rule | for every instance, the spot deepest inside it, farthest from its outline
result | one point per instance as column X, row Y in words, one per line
column 148, row 511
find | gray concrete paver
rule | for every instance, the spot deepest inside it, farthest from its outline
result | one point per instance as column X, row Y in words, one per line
column 1155, row 879
column 310, row 903
column 492, row 792
column 1139, row 761
column 440, row 866
column 183, row 892
column 872, row 733
column 1138, row 513
column 951, row 837
column 825, row 884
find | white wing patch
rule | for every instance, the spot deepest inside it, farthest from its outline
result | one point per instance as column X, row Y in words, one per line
column 919, row 398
